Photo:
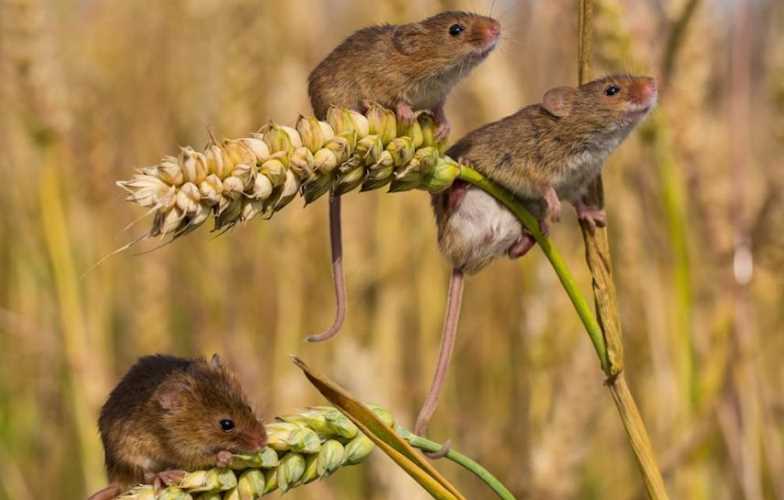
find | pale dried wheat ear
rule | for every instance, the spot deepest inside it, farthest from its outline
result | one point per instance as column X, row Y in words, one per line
column 236, row 180
column 309, row 445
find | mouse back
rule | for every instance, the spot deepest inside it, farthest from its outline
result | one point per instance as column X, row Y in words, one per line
column 137, row 387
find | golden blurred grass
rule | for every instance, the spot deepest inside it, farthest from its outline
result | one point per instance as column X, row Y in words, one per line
column 91, row 89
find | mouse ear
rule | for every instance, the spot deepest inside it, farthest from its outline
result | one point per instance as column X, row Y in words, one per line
column 558, row 101
column 215, row 361
column 407, row 38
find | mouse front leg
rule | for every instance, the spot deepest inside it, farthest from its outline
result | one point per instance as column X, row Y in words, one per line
column 160, row 480
column 443, row 130
column 552, row 209
column 590, row 214
column 223, row 459
column 405, row 113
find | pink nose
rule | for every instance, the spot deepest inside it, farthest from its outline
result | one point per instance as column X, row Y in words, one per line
column 492, row 31
column 261, row 442
column 256, row 443
column 646, row 91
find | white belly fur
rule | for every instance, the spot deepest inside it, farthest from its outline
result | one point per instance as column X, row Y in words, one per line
column 479, row 230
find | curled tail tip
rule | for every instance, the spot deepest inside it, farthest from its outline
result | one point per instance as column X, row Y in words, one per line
column 328, row 334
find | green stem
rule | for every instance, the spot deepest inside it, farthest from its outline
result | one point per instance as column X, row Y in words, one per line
column 559, row 265
column 460, row 459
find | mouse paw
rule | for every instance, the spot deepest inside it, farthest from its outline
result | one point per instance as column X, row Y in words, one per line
column 553, row 204
column 164, row 478
column 521, row 247
column 405, row 114
column 224, row 458
column 442, row 132
column 591, row 215
column 544, row 226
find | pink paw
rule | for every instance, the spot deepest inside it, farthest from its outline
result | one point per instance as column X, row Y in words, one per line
column 522, row 246
column 442, row 132
column 224, row 458
column 404, row 113
column 593, row 216
column 552, row 212
column 164, row 478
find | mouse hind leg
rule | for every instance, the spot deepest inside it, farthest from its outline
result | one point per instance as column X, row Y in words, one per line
column 521, row 246
column 162, row 479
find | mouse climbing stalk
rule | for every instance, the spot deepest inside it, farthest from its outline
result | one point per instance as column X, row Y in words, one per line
column 407, row 68
column 542, row 154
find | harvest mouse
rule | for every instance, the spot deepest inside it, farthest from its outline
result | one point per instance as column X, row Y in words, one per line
column 170, row 414
column 404, row 67
column 542, row 154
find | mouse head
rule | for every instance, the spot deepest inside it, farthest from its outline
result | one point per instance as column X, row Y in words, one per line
column 449, row 39
column 204, row 411
column 612, row 103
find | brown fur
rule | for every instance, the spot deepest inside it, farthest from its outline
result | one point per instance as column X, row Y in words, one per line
column 407, row 67
column 415, row 63
column 532, row 149
column 560, row 144
column 165, row 413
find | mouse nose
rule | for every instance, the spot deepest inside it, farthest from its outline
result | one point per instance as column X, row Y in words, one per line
column 255, row 442
column 260, row 442
column 492, row 31
column 646, row 91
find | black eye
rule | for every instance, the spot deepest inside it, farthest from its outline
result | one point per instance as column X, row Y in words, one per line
column 456, row 29
column 226, row 424
column 612, row 90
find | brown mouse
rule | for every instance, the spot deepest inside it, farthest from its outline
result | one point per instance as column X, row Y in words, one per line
column 404, row 67
column 168, row 415
column 543, row 153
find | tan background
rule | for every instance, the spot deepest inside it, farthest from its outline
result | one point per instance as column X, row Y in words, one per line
column 91, row 89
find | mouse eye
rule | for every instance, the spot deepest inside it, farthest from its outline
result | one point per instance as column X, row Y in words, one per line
column 612, row 90
column 456, row 29
column 226, row 425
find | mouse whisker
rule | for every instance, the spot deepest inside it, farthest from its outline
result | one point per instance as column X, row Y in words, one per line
column 512, row 40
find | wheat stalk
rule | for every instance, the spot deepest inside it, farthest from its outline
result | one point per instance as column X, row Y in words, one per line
column 236, row 180
column 302, row 448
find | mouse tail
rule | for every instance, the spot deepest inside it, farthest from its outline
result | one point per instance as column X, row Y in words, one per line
column 336, row 243
column 448, row 337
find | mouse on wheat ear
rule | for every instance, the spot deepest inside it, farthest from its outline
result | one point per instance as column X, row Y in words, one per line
column 404, row 67
column 544, row 153
column 168, row 415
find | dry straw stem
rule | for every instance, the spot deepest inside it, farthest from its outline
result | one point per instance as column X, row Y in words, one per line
column 598, row 258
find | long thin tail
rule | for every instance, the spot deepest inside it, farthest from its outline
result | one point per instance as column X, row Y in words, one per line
column 336, row 242
column 448, row 336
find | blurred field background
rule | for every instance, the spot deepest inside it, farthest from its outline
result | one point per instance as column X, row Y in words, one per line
column 91, row 89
